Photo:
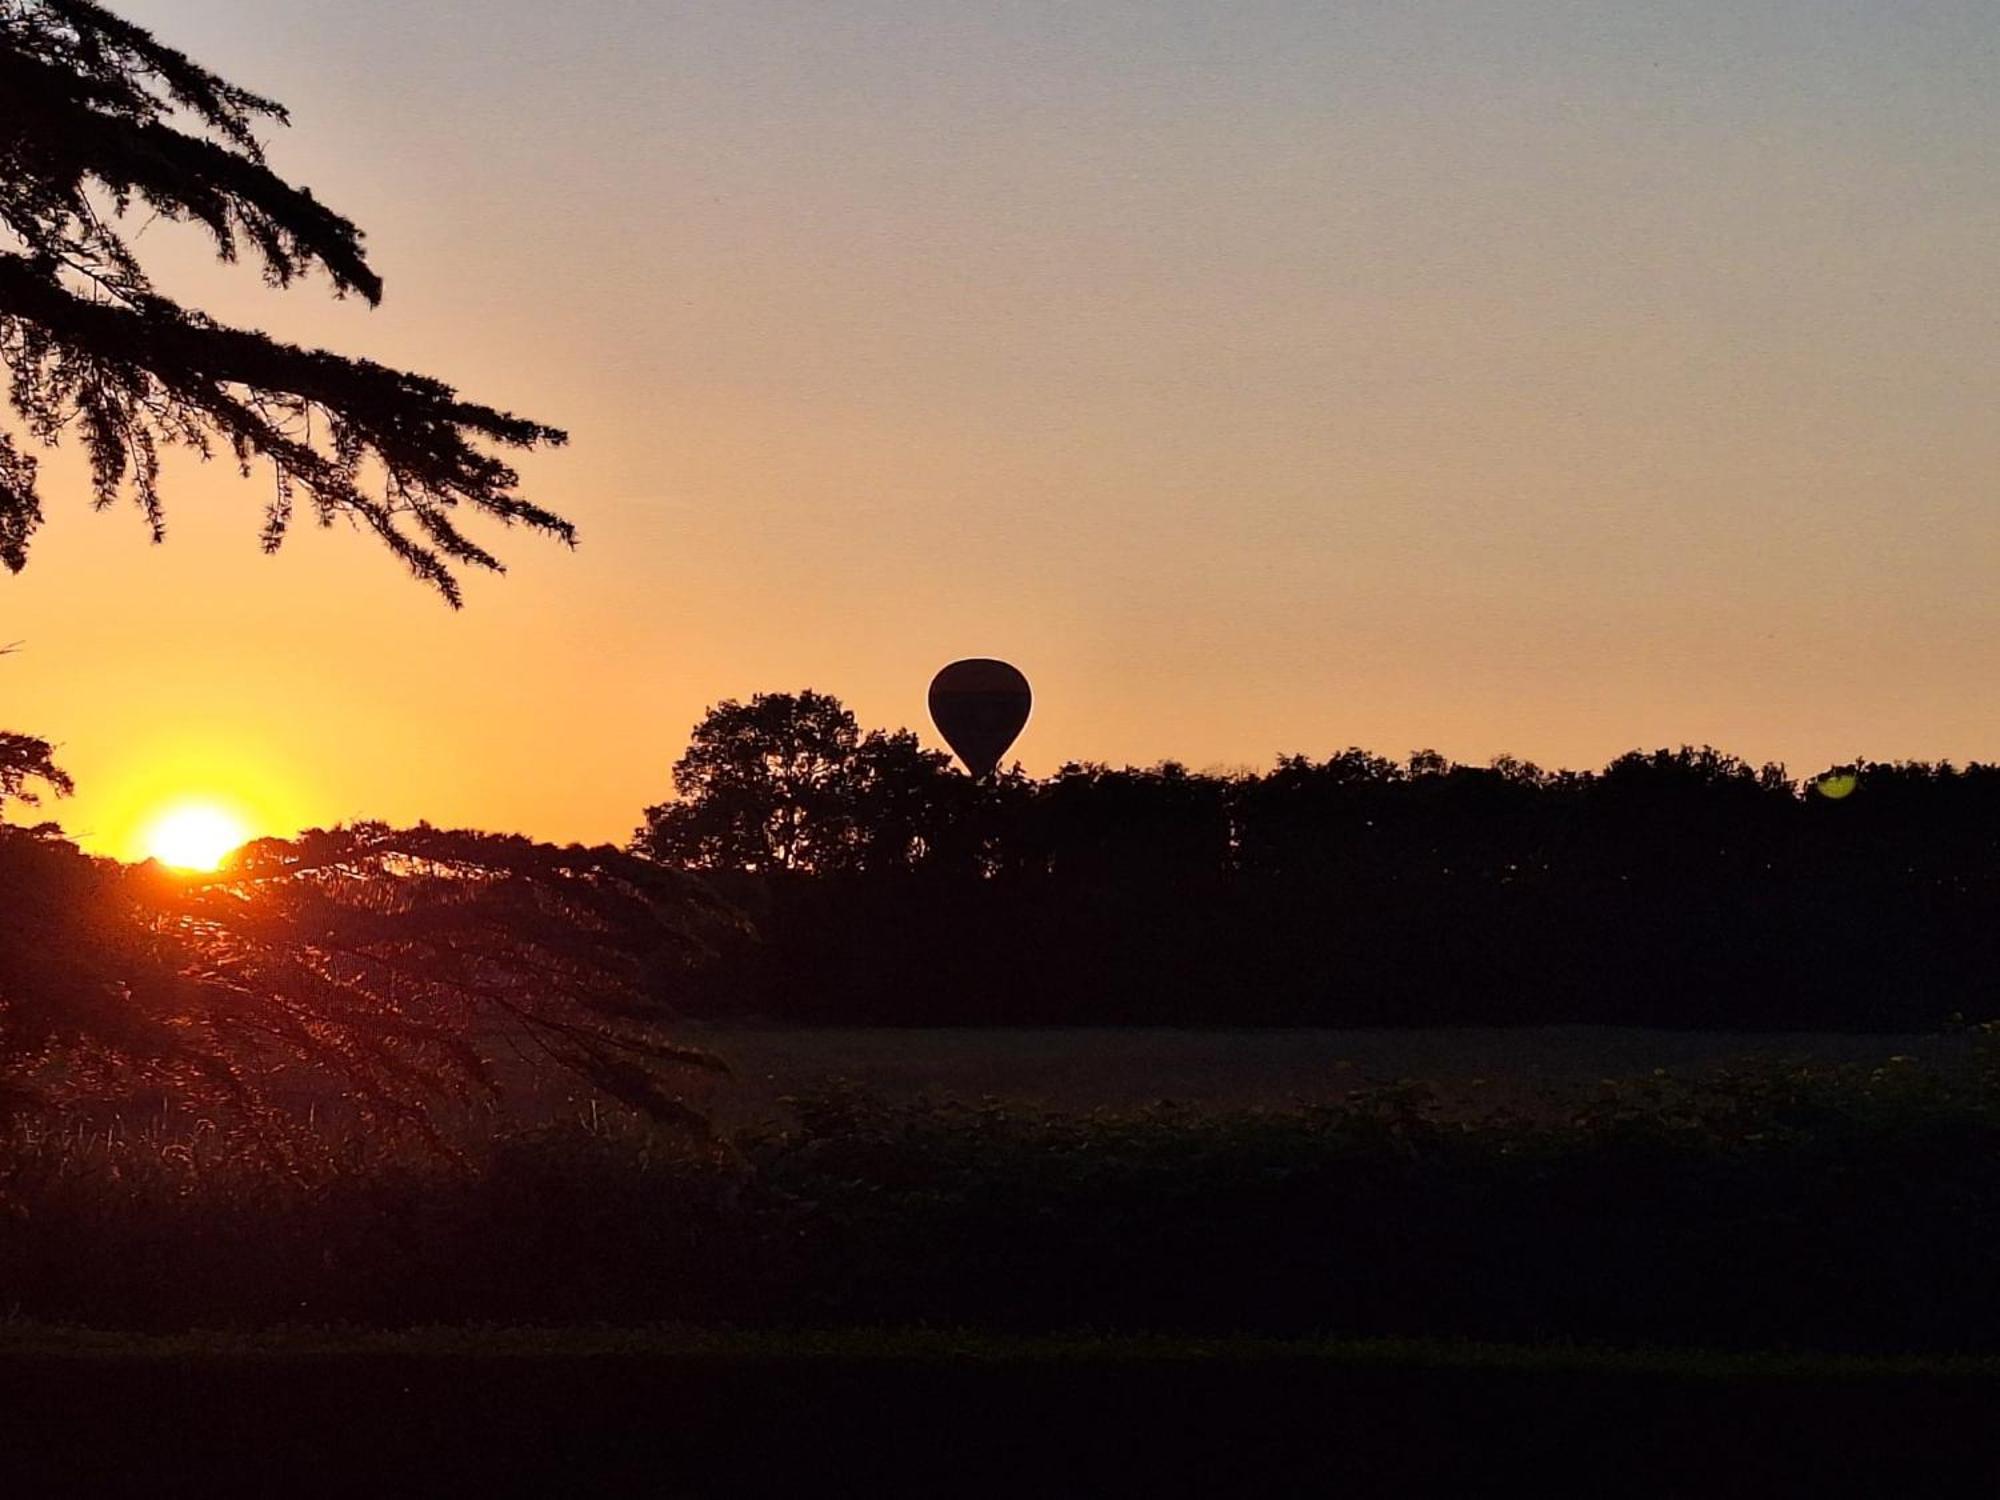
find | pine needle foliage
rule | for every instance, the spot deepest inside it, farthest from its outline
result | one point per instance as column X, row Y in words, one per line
column 26, row 761
column 99, row 120
column 379, row 968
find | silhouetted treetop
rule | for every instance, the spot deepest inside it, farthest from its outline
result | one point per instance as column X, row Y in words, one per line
column 96, row 118
column 788, row 782
column 25, row 761
column 759, row 787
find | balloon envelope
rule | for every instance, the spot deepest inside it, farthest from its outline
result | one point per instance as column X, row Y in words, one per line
column 979, row 706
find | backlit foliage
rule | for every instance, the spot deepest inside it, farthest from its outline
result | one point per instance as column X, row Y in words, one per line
column 27, row 768
column 380, row 967
column 98, row 120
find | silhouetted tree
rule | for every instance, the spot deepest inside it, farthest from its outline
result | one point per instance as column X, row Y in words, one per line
column 1300, row 817
column 1137, row 827
column 764, row 785
column 902, row 802
column 789, row 783
column 1679, row 816
column 24, row 761
column 96, row 118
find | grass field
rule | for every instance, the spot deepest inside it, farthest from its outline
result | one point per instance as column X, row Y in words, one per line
column 897, row 1210
column 871, row 1413
column 1082, row 1068
column 914, row 1410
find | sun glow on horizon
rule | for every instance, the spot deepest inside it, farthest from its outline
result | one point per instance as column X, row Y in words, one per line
column 195, row 836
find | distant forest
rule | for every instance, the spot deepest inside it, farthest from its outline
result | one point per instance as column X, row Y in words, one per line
column 1675, row 887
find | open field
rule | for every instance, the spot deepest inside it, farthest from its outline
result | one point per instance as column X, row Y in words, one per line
column 1474, row 1069
column 570, row 1411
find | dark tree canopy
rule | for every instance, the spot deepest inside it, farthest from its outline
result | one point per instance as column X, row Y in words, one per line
column 787, row 781
column 1675, row 886
column 759, row 787
column 98, row 119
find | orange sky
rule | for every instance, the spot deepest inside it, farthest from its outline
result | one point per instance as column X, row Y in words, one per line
column 1504, row 376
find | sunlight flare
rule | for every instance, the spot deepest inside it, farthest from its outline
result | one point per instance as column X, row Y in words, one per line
column 195, row 836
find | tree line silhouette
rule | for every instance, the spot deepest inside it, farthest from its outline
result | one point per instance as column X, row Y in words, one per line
column 808, row 872
column 1673, row 887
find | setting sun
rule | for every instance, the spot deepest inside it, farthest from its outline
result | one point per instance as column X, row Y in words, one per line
column 195, row 836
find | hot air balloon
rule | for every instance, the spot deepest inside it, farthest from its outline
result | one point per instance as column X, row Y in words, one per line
column 979, row 706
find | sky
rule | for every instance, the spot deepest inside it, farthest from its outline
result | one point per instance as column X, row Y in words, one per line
column 1524, row 376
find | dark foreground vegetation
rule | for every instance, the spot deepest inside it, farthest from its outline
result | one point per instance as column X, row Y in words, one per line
column 277, row 1097
column 931, row 1298
column 1836, row 1210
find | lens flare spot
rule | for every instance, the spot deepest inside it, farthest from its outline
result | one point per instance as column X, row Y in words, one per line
column 1836, row 784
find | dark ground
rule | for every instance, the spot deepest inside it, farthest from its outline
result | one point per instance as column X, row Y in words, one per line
column 860, row 1414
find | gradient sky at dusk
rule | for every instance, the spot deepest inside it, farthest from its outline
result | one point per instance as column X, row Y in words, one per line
column 1506, row 375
